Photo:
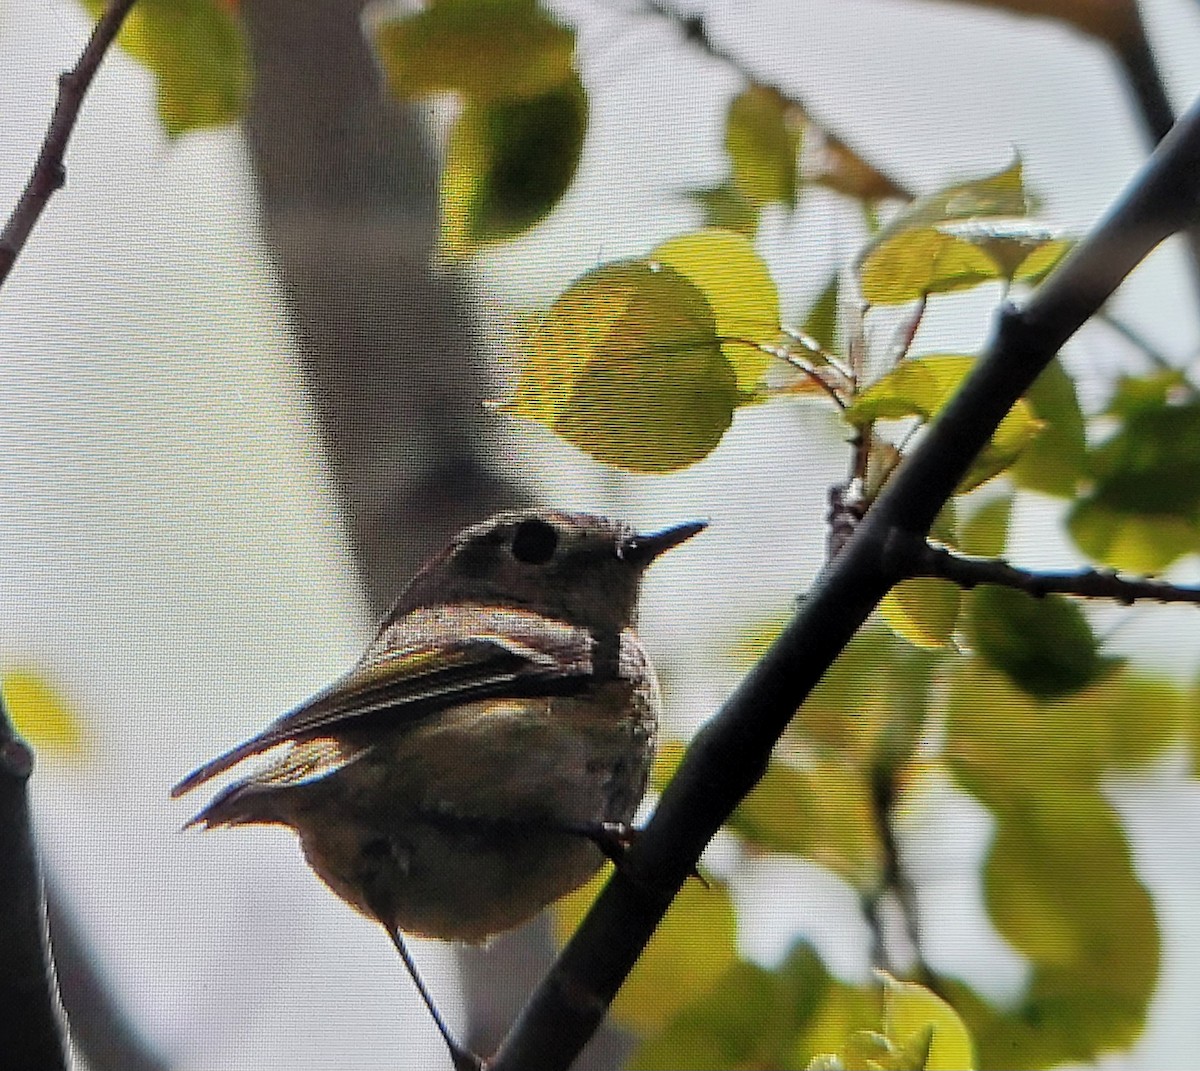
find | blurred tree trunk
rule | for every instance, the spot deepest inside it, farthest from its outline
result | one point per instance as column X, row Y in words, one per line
column 348, row 186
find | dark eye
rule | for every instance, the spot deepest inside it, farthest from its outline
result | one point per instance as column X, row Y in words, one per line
column 534, row 542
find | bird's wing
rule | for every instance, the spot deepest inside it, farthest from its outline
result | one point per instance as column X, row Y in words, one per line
column 430, row 659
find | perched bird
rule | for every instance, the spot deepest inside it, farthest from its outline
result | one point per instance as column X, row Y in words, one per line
column 491, row 746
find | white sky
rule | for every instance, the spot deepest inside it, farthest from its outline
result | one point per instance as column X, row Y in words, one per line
column 169, row 552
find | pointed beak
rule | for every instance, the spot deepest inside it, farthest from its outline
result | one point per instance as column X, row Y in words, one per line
column 643, row 549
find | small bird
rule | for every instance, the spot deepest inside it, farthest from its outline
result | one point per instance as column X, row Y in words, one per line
column 489, row 749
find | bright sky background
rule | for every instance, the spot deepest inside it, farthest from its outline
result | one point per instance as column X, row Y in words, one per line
column 171, row 556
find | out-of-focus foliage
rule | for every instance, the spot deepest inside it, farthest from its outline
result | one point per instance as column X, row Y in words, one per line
column 41, row 715
column 198, row 55
column 523, row 112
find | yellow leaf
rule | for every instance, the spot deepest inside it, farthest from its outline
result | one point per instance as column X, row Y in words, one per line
column 909, row 1009
column 738, row 288
column 41, row 716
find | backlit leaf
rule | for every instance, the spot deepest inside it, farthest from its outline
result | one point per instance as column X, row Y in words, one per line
column 1044, row 646
column 762, row 138
column 1055, row 461
column 985, row 532
column 1143, row 511
column 759, row 1018
column 198, row 55
column 693, row 947
column 739, row 290
column 488, row 50
column 921, row 386
column 910, row 1010
column 628, row 365
column 923, row 611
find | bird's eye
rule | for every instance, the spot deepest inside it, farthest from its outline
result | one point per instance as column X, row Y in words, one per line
column 534, row 541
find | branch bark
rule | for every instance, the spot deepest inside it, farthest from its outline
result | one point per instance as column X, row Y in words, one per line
column 49, row 172
column 730, row 753
column 34, row 1035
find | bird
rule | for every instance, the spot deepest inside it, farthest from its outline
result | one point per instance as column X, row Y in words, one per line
column 489, row 749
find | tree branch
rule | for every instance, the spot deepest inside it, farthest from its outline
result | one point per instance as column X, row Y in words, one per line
column 35, row 1033
column 942, row 564
column 731, row 751
column 49, row 173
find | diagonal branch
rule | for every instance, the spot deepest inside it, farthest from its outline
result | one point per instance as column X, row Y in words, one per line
column 925, row 560
column 49, row 173
column 730, row 752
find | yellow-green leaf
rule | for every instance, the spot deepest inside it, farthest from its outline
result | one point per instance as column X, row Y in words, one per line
column 508, row 162
column 923, row 611
column 1143, row 510
column 759, row 1018
column 692, row 948
column 985, row 532
column 1061, row 888
column 909, row 1010
column 41, row 715
column 822, row 812
column 1045, row 646
column 916, row 263
column 1056, row 460
column 198, row 55
column 727, row 208
column 487, row 50
column 628, row 365
column 762, row 137
column 921, row 386
column 739, row 290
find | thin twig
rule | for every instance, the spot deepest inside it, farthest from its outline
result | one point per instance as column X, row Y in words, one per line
column 931, row 561
column 696, row 33
column 49, row 173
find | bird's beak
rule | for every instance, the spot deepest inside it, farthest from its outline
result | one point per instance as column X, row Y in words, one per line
column 643, row 549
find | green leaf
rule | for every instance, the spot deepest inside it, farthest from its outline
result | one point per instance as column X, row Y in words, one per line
column 42, row 716
column 507, row 165
column 921, row 386
column 1124, row 721
column 1061, row 888
column 1001, row 194
column 628, row 365
column 762, row 137
column 197, row 53
column 821, row 323
column 923, row 611
column 1143, row 511
column 758, row 1018
column 911, row 1011
column 985, row 532
column 822, row 813
column 739, row 290
column 959, row 237
column 1055, row 462
column 487, row 50
column 917, row 263
column 691, row 951
column 1044, row 646
column 727, row 208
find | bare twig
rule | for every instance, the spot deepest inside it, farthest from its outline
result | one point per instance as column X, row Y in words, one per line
column 49, row 173
column 836, row 148
column 35, row 1034
column 930, row 561
column 730, row 753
